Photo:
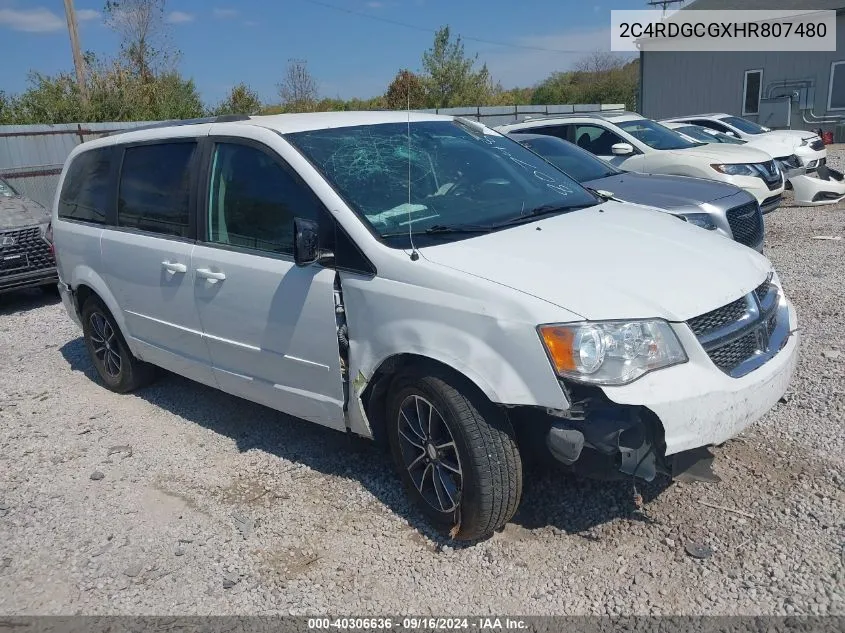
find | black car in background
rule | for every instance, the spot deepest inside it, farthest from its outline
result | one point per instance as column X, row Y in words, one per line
column 26, row 256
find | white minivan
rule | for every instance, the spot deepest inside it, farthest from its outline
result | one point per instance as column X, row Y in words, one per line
column 423, row 280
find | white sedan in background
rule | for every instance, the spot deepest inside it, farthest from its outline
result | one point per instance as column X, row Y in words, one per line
column 819, row 186
column 808, row 146
column 634, row 143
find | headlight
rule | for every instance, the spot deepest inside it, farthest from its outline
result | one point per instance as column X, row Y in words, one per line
column 700, row 219
column 735, row 169
column 611, row 352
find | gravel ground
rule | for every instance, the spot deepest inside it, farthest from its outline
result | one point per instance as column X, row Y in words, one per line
column 181, row 499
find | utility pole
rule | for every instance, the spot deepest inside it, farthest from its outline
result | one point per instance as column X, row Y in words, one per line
column 78, row 61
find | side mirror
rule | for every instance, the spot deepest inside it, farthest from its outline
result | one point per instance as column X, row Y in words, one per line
column 622, row 149
column 306, row 243
column 732, row 133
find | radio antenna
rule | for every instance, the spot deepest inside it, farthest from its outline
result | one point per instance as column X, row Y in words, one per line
column 414, row 254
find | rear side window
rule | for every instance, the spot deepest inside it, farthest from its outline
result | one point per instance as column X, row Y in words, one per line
column 155, row 188
column 560, row 131
column 87, row 193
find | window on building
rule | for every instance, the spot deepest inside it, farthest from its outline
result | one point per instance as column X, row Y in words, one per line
column 836, row 91
column 155, row 187
column 751, row 92
column 86, row 190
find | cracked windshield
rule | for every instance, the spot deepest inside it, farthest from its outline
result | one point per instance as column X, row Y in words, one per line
column 461, row 180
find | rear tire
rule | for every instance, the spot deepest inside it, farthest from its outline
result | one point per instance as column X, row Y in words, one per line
column 455, row 452
column 119, row 370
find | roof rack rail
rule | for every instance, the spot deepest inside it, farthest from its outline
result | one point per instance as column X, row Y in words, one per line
column 223, row 118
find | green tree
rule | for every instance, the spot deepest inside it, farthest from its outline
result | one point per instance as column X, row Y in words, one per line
column 144, row 38
column 450, row 76
column 241, row 100
column 298, row 88
column 406, row 90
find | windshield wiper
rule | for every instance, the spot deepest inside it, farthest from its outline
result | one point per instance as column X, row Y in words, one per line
column 546, row 209
column 445, row 229
column 457, row 228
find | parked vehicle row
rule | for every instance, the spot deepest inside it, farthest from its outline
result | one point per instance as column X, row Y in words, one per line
column 806, row 171
column 427, row 280
column 712, row 205
column 634, row 143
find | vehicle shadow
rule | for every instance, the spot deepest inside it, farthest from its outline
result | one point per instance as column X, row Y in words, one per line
column 27, row 299
column 573, row 505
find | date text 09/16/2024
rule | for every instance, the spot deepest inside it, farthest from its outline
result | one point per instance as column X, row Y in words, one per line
column 417, row 623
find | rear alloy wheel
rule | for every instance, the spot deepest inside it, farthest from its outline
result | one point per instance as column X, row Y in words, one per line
column 115, row 364
column 455, row 452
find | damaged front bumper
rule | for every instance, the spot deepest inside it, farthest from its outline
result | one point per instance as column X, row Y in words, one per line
column 825, row 186
column 665, row 421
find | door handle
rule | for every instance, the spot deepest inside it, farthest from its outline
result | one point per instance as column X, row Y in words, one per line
column 209, row 274
column 174, row 267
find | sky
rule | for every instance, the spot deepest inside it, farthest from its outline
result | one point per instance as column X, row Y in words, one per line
column 353, row 47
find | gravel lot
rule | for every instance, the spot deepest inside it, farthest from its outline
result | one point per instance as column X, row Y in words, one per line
column 181, row 499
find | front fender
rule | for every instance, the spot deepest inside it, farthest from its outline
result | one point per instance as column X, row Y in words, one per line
column 500, row 353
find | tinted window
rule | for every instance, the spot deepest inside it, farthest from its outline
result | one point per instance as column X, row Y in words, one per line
column 86, row 192
column 576, row 162
column 655, row 135
column 744, row 125
column 596, row 140
column 253, row 200
column 155, row 187
column 6, row 190
column 712, row 125
column 560, row 131
column 706, row 135
column 751, row 105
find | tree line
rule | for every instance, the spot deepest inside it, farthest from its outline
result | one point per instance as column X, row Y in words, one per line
column 142, row 82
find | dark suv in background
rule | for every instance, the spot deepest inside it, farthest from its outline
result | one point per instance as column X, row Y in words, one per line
column 26, row 256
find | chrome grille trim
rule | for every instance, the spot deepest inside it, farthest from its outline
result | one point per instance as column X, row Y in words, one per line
column 743, row 344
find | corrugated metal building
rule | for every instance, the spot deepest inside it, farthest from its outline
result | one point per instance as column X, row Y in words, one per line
column 32, row 156
column 802, row 90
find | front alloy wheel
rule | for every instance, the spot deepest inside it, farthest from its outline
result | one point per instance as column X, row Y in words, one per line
column 429, row 453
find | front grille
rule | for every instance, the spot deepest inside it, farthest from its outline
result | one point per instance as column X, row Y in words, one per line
column 763, row 289
column 740, row 330
column 728, row 357
column 770, row 174
column 771, row 203
column 718, row 318
column 746, row 224
column 24, row 250
column 817, row 145
column 789, row 162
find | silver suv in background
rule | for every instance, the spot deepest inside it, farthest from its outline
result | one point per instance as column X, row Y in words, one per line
column 715, row 206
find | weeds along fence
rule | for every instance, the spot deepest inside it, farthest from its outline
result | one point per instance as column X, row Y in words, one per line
column 32, row 156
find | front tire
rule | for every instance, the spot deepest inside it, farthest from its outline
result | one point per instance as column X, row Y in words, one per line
column 119, row 370
column 456, row 454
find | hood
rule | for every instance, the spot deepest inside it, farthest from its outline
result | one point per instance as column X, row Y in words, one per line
column 664, row 192
column 17, row 212
column 612, row 261
column 790, row 136
column 776, row 147
column 724, row 153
